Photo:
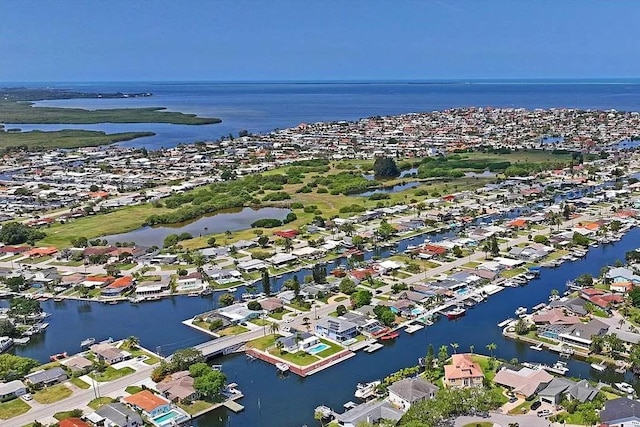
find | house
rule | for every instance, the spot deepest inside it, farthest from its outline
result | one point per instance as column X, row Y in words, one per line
column 224, row 276
column 236, row 313
column 525, row 382
column 150, row 404
column 109, row 354
column 406, row 392
column 271, row 304
column 554, row 316
column 251, row 265
column 280, row 259
column 336, row 329
column 622, row 274
column 621, row 412
column 12, row 389
column 118, row 286
column 563, row 388
column 77, row 363
column 153, row 287
column 73, row 422
column 47, row 377
column 116, row 414
column 621, row 287
column 190, row 282
column 463, row 372
column 580, row 334
column 178, row 387
column 372, row 411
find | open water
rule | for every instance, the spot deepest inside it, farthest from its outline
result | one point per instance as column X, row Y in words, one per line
column 262, row 107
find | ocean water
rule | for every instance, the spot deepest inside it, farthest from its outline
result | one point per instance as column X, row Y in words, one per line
column 262, row 107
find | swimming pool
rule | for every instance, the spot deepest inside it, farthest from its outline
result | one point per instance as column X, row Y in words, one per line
column 315, row 349
column 165, row 418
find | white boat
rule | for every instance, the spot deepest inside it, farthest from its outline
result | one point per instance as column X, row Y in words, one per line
column 598, row 367
column 559, row 368
column 625, row 387
column 366, row 390
column 5, row 343
column 282, row 367
column 21, row 341
column 86, row 343
column 505, row 322
column 373, row 347
column 521, row 311
column 413, row 328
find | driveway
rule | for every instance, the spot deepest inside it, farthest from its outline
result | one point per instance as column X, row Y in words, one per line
column 502, row 420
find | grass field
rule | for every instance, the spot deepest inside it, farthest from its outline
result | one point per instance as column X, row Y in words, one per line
column 52, row 394
column 25, row 112
column 100, row 401
column 66, row 138
column 13, row 408
column 232, row 330
column 111, row 374
column 79, row 383
column 195, row 407
column 263, row 343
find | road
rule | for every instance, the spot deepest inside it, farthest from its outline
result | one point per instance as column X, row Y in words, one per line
column 79, row 399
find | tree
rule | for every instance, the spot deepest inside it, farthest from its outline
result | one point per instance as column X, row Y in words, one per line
column 15, row 233
column 21, row 306
column 132, row 342
column 597, row 344
column 443, row 355
column 340, row 310
column 266, row 282
column 347, row 286
column 492, row 347
column 384, row 315
column 15, row 283
column 14, row 367
column 198, row 369
column 254, row 306
column 385, row 230
column 347, row 228
column 521, row 327
column 454, row 346
column 361, row 298
column 319, row 273
column 210, row 383
column 274, row 328
column 7, row 328
column 457, row 251
column 211, row 241
column 226, row 299
column 495, row 248
column 385, row 167
column 263, row 241
column 170, row 240
column 585, row 280
column 182, row 359
column 293, row 285
column 429, row 359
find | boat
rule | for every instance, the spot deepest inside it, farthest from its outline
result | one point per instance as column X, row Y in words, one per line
column 505, row 322
column 5, row 343
column 559, row 368
column 366, row 390
column 520, row 311
column 390, row 336
column 598, row 367
column 21, row 341
column 193, row 294
column 86, row 343
column 58, row 299
column 136, row 300
column 58, row 356
column 113, row 302
column 282, row 367
column 413, row 328
column 206, row 292
column 373, row 347
column 455, row 313
column 625, row 387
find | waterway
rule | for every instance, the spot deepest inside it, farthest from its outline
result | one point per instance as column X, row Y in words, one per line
column 228, row 219
column 289, row 401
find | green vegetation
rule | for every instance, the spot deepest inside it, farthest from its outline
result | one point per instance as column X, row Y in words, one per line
column 195, row 407
column 385, row 167
column 100, row 401
column 15, row 367
column 74, row 413
column 133, row 389
column 67, row 138
column 25, row 112
column 79, row 383
column 232, row 330
column 15, row 233
column 112, row 373
column 263, row 343
column 13, row 408
column 52, row 394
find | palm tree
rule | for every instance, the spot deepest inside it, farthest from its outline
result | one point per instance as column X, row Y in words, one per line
column 454, row 346
column 491, row 347
column 274, row 328
column 132, row 342
column 471, row 348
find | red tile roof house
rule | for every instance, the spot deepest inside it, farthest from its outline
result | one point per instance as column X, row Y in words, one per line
column 462, row 372
column 555, row 316
column 517, row 223
column 621, row 287
column 150, row 404
column 73, row 422
column 286, row 234
column 118, row 286
column 14, row 249
column 178, row 387
column 362, row 273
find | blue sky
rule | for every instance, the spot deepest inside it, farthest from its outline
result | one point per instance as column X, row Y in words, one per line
column 129, row 40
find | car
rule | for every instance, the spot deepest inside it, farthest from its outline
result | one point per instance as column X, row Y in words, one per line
column 26, row 397
column 287, row 320
column 535, row 405
column 513, row 400
column 544, row 413
column 286, row 329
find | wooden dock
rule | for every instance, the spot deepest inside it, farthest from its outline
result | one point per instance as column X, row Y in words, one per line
column 234, row 406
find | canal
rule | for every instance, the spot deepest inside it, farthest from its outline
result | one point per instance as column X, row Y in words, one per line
column 271, row 400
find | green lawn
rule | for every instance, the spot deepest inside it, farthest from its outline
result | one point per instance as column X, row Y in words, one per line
column 341, row 298
column 298, row 306
column 232, row 330
column 67, row 414
column 125, row 266
column 36, row 260
column 100, row 401
column 151, row 359
column 112, row 373
column 484, row 361
column 512, row 273
column 300, row 358
column 522, row 408
column 479, row 424
column 67, row 263
column 52, row 394
column 260, row 322
column 333, row 349
column 13, row 408
column 263, row 343
column 79, row 383
column 278, row 316
column 195, row 407
column 133, row 389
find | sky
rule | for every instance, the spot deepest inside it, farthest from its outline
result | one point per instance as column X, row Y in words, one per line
column 289, row 40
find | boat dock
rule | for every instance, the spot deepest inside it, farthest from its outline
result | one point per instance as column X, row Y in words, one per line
column 233, row 405
column 373, row 347
column 413, row 328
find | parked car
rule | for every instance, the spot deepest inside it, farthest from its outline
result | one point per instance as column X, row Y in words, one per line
column 26, row 397
column 535, row 405
column 544, row 413
column 513, row 400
